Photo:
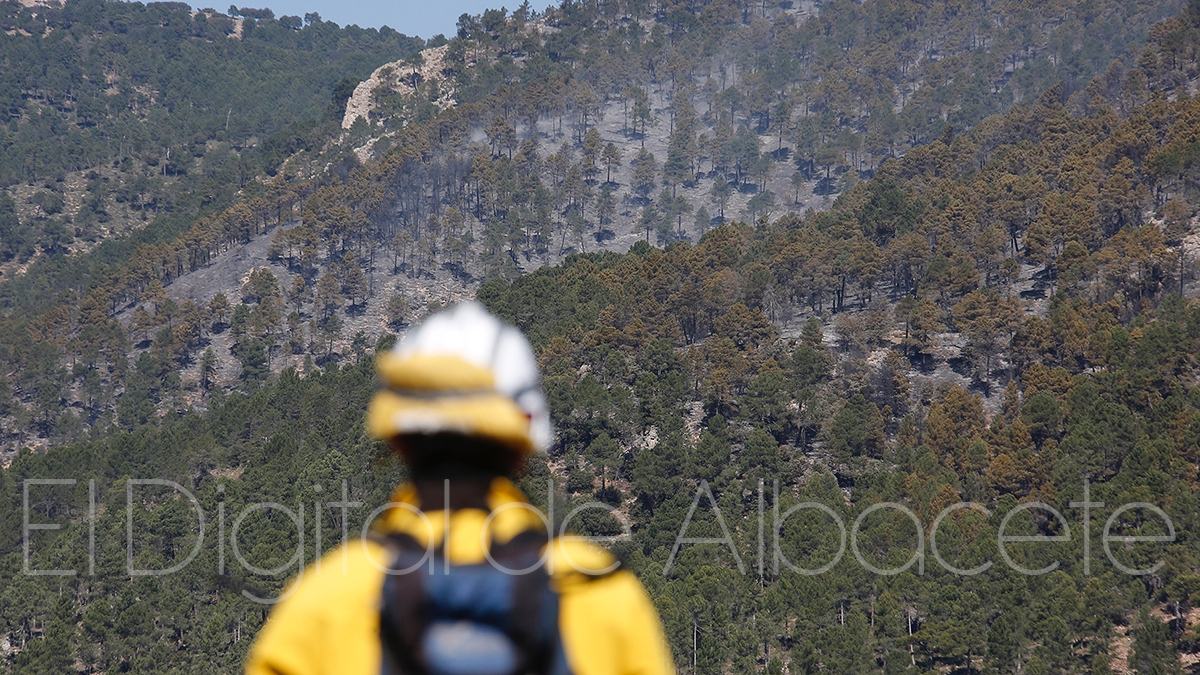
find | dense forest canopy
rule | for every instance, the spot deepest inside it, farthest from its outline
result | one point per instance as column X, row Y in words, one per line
column 122, row 80
column 998, row 307
column 121, row 114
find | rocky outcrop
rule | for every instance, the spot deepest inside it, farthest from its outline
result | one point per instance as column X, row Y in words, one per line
column 402, row 77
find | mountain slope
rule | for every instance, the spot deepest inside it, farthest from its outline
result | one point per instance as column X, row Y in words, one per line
column 948, row 372
column 541, row 155
column 116, row 110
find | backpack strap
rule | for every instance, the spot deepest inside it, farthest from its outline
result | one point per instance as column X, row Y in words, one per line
column 403, row 614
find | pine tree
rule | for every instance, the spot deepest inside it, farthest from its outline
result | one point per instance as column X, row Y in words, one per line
column 208, row 368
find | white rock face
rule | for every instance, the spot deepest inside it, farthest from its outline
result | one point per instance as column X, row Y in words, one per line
column 397, row 76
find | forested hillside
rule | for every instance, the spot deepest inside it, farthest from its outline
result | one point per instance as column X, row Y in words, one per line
column 127, row 124
column 120, row 114
column 1000, row 314
column 521, row 140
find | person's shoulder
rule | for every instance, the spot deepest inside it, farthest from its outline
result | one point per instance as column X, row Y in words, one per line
column 568, row 555
column 335, row 596
column 608, row 620
column 574, row 562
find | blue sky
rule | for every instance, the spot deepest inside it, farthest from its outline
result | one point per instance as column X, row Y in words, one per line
column 425, row 18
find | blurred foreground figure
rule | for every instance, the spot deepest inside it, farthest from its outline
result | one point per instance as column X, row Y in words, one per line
column 461, row 576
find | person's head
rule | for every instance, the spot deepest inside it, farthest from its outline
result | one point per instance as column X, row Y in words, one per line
column 461, row 396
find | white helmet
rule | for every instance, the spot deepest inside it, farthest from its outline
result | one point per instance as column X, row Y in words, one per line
column 463, row 370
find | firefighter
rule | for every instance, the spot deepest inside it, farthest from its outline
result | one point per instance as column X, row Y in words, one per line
column 461, row 575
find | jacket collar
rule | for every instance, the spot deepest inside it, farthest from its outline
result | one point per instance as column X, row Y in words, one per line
column 464, row 534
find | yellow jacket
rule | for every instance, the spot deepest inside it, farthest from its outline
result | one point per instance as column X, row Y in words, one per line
column 328, row 619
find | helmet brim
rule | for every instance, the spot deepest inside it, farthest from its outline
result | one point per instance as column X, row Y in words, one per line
column 489, row 415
